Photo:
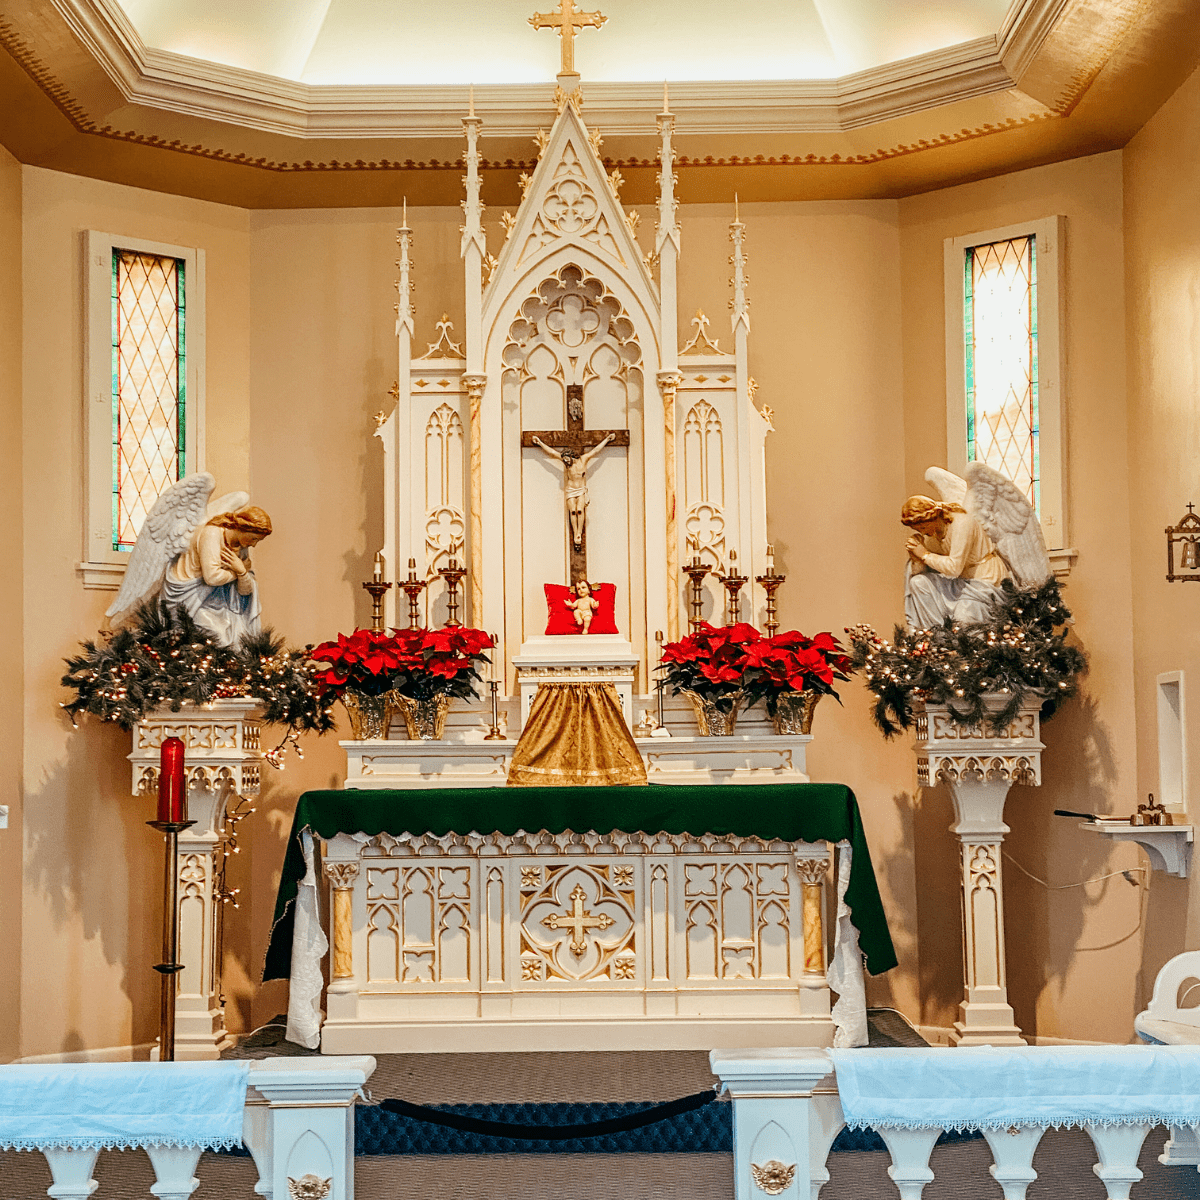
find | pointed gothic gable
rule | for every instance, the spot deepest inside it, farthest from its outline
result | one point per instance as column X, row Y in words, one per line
column 569, row 200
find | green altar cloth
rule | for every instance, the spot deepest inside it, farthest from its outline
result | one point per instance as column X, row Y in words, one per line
column 790, row 812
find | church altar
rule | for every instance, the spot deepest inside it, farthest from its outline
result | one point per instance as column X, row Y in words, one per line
column 520, row 940
column 570, row 446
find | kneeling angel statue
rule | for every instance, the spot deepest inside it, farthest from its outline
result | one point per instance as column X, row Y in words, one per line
column 196, row 555
column 981, row 532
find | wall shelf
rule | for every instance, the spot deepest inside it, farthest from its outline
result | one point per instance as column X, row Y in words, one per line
column 1169, row 847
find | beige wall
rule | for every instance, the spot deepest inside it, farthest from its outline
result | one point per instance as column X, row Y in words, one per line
column 11, row 617
column 92, row 870
column 1162, row 292
column 1064, row 947
column 848, row 347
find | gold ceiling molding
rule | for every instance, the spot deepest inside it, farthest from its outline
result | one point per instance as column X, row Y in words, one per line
column 15, row 45
column 169, row 82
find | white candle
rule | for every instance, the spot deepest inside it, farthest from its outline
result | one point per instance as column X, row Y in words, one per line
column 770, row 560
column 377, row 576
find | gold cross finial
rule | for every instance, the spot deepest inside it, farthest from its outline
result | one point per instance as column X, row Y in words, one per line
column 568, row 21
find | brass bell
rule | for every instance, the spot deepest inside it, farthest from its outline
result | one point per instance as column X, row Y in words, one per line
column 1191, row 556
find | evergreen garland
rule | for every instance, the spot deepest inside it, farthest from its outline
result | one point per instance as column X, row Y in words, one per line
column 1020, row 652
column 162, row 658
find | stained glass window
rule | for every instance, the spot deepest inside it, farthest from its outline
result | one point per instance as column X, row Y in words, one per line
column 1001, row 360
column 149, row 389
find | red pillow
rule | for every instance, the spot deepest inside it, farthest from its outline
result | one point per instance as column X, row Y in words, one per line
column 562, row 618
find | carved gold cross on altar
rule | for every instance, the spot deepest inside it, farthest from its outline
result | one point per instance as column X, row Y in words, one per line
column 578, row 922
column 568, row 22
column 575, row 447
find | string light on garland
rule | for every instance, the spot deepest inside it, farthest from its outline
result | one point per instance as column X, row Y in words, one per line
column 1020, row 652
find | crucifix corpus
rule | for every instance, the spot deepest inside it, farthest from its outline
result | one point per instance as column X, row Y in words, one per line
column 568, row 22
column 573, row 449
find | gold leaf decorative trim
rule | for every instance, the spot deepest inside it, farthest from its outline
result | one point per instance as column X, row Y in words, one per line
column 12, row 42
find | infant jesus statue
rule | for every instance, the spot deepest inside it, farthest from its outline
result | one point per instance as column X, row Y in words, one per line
column 584, row 604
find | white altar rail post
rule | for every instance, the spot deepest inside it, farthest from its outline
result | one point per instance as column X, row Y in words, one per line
column 979, row 770
column 786, row 1115
column 299, row 1129
column 222, row 763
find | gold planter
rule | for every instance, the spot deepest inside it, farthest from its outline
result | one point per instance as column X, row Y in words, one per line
column 794, row 712
column 369, row 716
column 424, row 719
column 711, row 720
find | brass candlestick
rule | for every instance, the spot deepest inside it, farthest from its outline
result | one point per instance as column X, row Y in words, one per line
column 661, row 683
column 696, row 571
column 452, row 574
column 733, row 585
column 413, row 587
column 377, row 587
column 493, row 734
column 170, row 967
column 770, row 583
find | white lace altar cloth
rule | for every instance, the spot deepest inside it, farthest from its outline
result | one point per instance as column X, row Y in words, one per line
column 118, row 1106
column 1005, row 1087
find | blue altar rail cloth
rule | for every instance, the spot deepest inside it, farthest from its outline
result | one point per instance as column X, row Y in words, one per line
column 790, row 812
column 117, row 1106
column 1027, row 1086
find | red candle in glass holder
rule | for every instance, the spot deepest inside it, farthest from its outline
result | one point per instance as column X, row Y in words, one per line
column 170, row 781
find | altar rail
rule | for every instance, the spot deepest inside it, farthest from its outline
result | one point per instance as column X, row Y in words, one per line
column 299, row 1129
column 787, row 1113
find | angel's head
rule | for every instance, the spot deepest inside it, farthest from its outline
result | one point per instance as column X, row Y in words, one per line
column 927, row 516
column 246, row 526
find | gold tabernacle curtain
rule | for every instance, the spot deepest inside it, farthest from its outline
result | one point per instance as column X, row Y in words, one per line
column 576, row 736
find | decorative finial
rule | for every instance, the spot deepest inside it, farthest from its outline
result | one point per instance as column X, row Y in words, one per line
column 470, row 100
column 737, row 220
column 404, row 218
column 666, row 112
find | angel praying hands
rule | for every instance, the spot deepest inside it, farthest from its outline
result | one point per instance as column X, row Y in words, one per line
column 196, row 554
column 981, row 532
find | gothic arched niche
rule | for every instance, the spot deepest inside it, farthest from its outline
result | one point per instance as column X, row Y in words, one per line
column 571, row 329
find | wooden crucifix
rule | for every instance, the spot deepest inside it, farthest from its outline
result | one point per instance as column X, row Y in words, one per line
column 574, row 448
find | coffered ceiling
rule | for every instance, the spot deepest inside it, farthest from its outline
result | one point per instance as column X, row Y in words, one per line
column 282, row 103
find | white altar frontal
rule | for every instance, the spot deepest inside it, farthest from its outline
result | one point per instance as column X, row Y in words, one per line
column 587, row 939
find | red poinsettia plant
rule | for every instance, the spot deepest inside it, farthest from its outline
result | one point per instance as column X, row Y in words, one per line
column 721, row 664
column 421, row 663
column 791, row 662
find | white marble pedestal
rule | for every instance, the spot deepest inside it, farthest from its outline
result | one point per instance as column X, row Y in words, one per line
column 222, row 762
column 979, row 770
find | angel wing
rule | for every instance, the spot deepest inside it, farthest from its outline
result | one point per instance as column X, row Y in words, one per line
column 1009, row 520
column 230, row 502
column 950, row 487
column 165, row 534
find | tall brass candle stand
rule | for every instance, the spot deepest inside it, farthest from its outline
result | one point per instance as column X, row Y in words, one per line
column 377, row 587
column 696, row 571
column 169, row 968
column 452, row 574
column 413, row 587
column 733, row 585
